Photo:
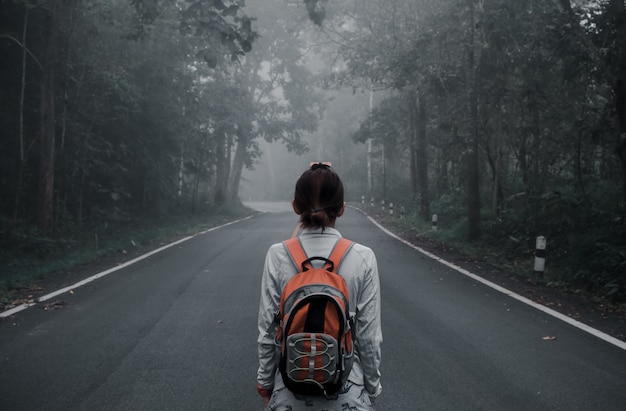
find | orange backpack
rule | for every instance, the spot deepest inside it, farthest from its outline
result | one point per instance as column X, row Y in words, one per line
column 315, row 333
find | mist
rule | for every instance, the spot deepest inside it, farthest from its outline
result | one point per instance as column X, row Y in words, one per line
column 505, row 119
column 275, row 172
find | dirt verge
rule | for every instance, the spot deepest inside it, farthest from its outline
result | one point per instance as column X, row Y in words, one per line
column 587, row 309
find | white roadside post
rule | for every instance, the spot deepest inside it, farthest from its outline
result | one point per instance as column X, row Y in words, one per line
column 435, row 221
column 382, row 203
column 391, row 209
column 540, row 254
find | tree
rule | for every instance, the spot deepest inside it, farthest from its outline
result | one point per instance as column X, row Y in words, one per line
column 385, row 56
column 48, row 118
column 88, row 100
column 418, row 147
column 473, row 179
column 280, row 101
column 603, row 41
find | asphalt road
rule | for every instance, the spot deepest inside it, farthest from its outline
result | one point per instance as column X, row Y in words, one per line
column 177, row 331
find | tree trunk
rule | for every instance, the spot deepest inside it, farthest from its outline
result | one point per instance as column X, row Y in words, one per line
column 237, row 168
column 370, row 180
column 21, row 164
column 473, row 182
column 194, row 196
column 494, row 159
column 620, row 105
column 496, row 189
column 618, row 82
column 422, row 145
column 81, row 197
column 412, row 134
column 47, row 137
column 222, row 167
column 181, row 174
column 619, row 9
column 420, row 158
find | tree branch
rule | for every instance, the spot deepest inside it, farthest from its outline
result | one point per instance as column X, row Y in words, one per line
column 592, row 50
column 8, row 36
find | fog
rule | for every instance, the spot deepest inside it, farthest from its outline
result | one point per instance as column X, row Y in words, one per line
column 274, row 174
column 497, row 116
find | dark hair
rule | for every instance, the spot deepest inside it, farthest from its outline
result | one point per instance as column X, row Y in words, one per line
column 318, row 197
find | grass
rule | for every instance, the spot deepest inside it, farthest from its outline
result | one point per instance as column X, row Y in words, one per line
column 516, row 257
column 27, row 257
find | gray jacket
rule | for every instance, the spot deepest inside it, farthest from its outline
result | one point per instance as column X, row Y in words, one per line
column 360, row 271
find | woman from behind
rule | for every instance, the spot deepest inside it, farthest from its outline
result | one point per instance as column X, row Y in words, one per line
column 319, row 201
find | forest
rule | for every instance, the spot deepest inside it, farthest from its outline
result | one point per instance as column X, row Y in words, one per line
column 506, row 119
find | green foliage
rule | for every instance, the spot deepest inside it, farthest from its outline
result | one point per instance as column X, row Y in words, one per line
column 316, row 10
column 386, row 124
column 450, row 206
column 221, row 22
column 28, row 256
column 598, row 263
column 166, row 122
column 585, row 244
column 546, row 116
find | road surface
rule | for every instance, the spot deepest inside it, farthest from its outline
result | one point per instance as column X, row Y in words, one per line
column 177, row 331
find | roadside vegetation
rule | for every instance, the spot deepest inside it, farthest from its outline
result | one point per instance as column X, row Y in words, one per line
column 29, row 258
column 506, row 119
column 589, row 263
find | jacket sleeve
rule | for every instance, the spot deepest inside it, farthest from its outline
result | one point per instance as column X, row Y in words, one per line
column 368, row 328
column 268, row 307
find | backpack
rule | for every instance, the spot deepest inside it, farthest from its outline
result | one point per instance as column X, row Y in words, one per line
column 315, row 332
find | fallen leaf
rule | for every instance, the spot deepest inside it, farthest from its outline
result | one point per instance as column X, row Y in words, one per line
column 54, row 305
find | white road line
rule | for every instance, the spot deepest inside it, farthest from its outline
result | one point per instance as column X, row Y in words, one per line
column 22, row 307
column 584, row 327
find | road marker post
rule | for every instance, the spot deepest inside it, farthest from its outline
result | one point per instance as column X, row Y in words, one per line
column 540, row 254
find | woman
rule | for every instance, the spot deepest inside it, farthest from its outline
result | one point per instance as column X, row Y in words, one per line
column 319, row 202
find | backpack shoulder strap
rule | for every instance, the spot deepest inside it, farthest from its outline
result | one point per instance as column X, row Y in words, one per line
column 296, row 252
column 342, row 246
column 299, row 257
